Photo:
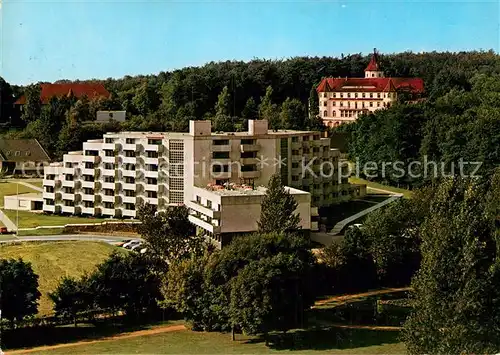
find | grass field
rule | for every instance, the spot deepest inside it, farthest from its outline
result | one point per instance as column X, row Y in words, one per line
column 53, row 260
column 30, row 219
column 44, row 231
column 406, row 193
column 321, row 342
column 11, row 188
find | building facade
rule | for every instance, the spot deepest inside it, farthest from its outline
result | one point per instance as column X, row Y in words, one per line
column 343, row 100
column 111, row 176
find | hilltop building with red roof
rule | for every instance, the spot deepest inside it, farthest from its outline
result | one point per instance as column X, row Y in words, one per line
column 343, row 100
column 47, row 91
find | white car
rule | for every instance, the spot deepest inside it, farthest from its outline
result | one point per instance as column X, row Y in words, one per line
column 136, row 247
column 143, row 250
column 131, row 244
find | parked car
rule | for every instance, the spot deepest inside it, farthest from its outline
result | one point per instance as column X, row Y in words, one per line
column 136, row 247
column 4, row 230
column 143, row 250
column 131, row 244
column 121, row 244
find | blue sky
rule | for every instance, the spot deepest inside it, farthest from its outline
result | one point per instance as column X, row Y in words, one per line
column 49, row 40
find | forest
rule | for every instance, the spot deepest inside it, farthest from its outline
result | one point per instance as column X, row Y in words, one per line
column 458, row 119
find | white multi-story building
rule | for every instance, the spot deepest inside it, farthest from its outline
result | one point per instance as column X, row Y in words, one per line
column 111, row 176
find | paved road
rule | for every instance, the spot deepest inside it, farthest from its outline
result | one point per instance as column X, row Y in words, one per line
column 111, row 239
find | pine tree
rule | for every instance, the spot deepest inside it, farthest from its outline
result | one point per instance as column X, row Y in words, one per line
column 269, row 111
column 250, row 111
column 277, row 208
column 223, row 105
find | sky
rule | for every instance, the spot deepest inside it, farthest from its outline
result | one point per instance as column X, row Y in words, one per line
column 68, row 39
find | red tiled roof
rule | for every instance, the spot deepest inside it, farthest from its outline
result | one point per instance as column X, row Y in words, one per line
column 414, row 85
column 78, row 90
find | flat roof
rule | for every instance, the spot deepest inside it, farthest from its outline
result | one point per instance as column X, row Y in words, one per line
column 248, row 191
column 26, row 196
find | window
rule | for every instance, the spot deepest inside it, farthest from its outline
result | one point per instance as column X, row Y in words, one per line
column 49, row 202
column 129, row 153
column 220, row 155
column 129, row 167
column 89, row 165
column 152, row 181
column 324, row 94
column 324, row 103
column 69, row 203
column 130, row 206
column 109, row 166
column 129, row 180
column 295, row 139
column 209, row 204
column 92, row 153
column 305, row 138
column 341, row 95
column 108, row 140
column 325, row 113
column 371, row 95
column 221, row 182
column 248, row 155
column 248, row 141
column 198, row 199
column 378, row 104
column 69, row 190
column 334, row 113
column 88, row 178
column 152, row 154
column 295, row 165
column 373, row 75
column 109, row 153
column 68, row 177
column 88, row 204
column 130, row 140
column 341, row 104
column 129, row 193
column 109, row 179
column 109, row 205
column 109, row 192
column 154, row 141
column 295, row 178
column 371, row 104
column 220, row 142
column 295, row 152
column 355, row 94
column 49, row 188
column 152, row 194
column 349, row 94
column 378, row 95
column 252, row 167
column 363, row 94
column 334, row 103
column 217, row 168
column 50, row 177
column 306, row 151
column 152, row 167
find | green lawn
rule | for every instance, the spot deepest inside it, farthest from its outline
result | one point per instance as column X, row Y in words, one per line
column 53, row 260
column 375, row 185
column 11, row 188
column 321, row 341
column 31, row 220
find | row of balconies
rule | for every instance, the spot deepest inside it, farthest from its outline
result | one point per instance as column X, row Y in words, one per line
column 243, row 148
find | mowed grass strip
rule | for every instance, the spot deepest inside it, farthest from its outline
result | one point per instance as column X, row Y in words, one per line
column 53, row 260
column 318, row 341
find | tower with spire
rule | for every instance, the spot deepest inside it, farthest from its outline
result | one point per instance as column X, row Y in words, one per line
column 373, row 69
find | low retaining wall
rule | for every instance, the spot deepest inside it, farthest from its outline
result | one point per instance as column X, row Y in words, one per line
column 104, row 227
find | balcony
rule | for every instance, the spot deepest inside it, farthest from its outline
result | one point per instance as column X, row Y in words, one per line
column 88, row 171
column 221, row 148
column 70, row 171
column 106, row 159
column 51, row 208
column 296, row 145
column 153, row 147
column 150, row 160
column 91, row 159
column 128, row 186
column 314, row 212
column 128, row 199
column 88, row 210
column 68, row 183
column 108, row 185
column 108, row 146
column 151, row 200
column 249, row 147
column 86, row 197
column 151, row 174
column 129, row 160
column 67, row 196
column 151, row 187
column 109, row 212
column 49, row 182
column 108, row 198
column 130, row 173
column 196, row 206
column 203, row 224
column 249, row 174
column 128, row 213
column 68, row 209
column 314, row 226
column 89, row 184
column 316, row 143
column 51, row 195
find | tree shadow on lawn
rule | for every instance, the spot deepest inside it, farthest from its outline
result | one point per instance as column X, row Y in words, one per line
column 328, row 338
column 29, row 337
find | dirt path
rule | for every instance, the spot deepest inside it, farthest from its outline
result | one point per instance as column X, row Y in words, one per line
column 140, row 333
column 345, row 298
